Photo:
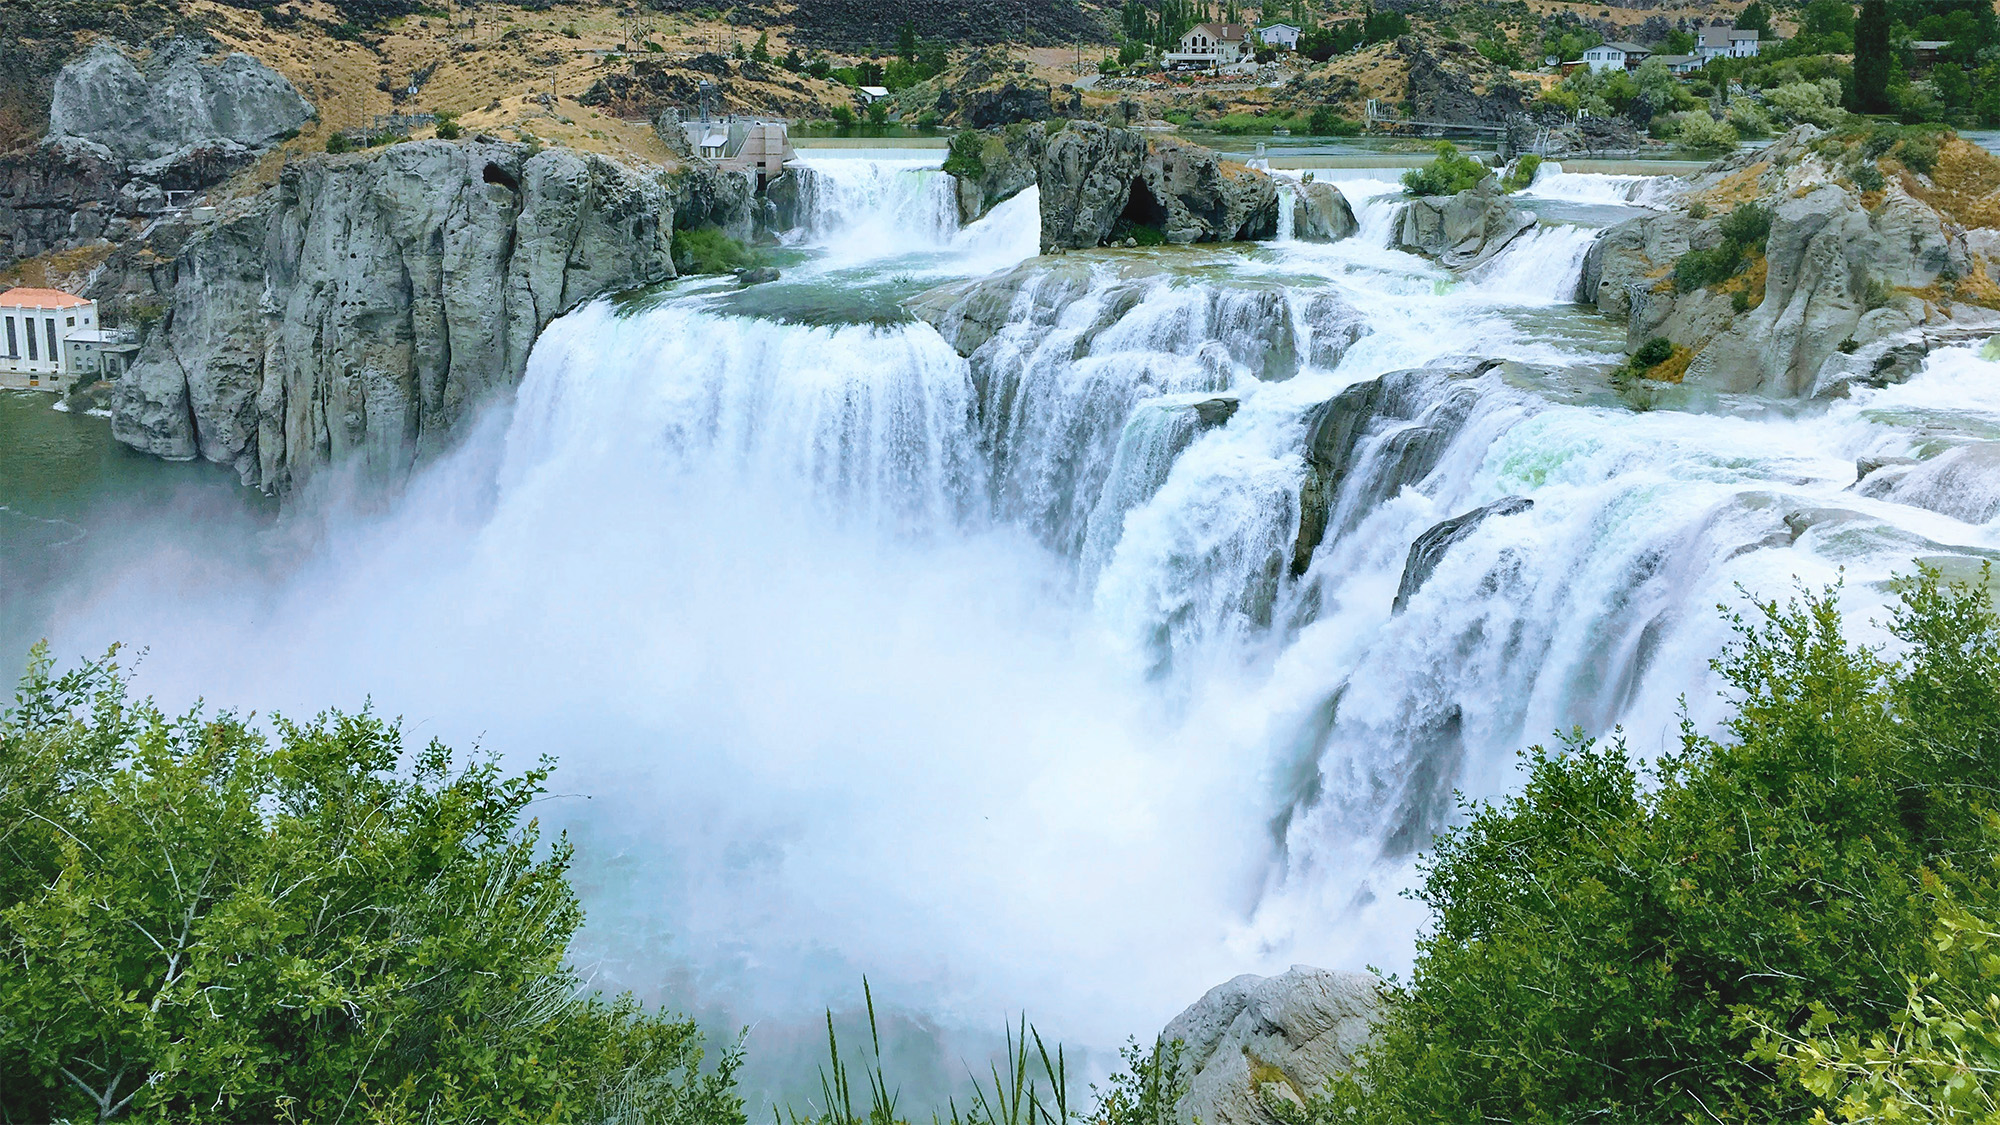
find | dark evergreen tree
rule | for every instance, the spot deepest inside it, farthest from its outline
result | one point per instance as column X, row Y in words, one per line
column 1871, row 57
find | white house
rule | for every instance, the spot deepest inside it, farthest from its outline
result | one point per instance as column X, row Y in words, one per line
column 1211, row 44
column 1682, row 64
column 35, row 328
column 1283, row 36
column 873, row 93
column 1615, row 56
column 1722, row 41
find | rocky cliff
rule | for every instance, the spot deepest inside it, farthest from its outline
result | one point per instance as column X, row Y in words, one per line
column 359, row 310
column 1845, row 280
column 1096, row 178
column 123, row 133
column 1257, row 1040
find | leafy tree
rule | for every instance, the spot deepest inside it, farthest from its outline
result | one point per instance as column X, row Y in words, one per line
column 1754, row 17
column 762, row 51
column 906, row 42
column 200, row 925
column 1618, row 943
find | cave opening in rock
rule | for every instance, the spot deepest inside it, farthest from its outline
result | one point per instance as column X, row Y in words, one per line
column 1144, row 214
column 495, row 174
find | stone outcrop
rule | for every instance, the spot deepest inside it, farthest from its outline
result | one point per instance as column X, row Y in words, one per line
column 124, row 134
column 358, row 311
column 1320, row 213
column 1461, row 231
column 1258, row 1039
column 1853, row 284
column 1010, row 161
column 994, row 91
column 1430, row 547
column 1417, row 412
column 173, row 101
column 1095, row 178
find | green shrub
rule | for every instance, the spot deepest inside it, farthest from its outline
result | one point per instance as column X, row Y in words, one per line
column 709, row 250
column 964, row 157
column 1697, row 210
column 1813, row 103
column 1749, row 225
column 843, row 116
column 1867, row 176
column 878, row 113
column 202, row 922
column 447, row 127
column 1919, row 152
column 1653, row 353
column 1748, row 118
column 1523, row 172
column 1699, row 269
column 1448, row 174
column 1326, row 121
column 1876, row 294
column 338, row 142
column 1619, row 943
column 1699, row 132
column 1739, row 301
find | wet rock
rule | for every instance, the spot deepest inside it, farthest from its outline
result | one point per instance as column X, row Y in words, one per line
column 756, row 276
column 1416, row 413
column 1963, row 483
column 1320, row 213
column 365, row 307
column 1095, row 177
column 1430, row 547
column 1463, row 230
column 1281, row 1037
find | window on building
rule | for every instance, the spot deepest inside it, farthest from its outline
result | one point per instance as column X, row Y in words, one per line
column 69, row 322
column 30, row 326
column 50, row 324
column 13, row 346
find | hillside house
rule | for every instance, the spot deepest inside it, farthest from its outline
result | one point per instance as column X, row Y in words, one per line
column 1282, row 36
column 1212, row 44
column 1615, row 56
column 36, row 326
column 1681, row 64
column 1722, row 41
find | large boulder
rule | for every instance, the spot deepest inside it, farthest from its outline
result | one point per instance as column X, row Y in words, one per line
column 1257, row 1039
column 366, row 306
column 993, row 91
column 1461, row 231
column 1094, row 177
column 176, row 99
column 1320, row 213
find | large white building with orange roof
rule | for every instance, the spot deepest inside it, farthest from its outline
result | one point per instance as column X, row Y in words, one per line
column 37, row 327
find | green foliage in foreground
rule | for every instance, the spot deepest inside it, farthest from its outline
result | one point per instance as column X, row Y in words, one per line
column 1449, row 174
column 709, row 250
column 966, row 155
column 1523, row 173
column 201, row 925
column 1735, row 935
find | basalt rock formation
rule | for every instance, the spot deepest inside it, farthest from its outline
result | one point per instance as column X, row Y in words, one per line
column 1321, row 214
column 1095, row 177
column 358, row 311
column 1257, row 1038
column 1847, row 282
column 1461, row 231
column 1010, row 161
column 122, row 134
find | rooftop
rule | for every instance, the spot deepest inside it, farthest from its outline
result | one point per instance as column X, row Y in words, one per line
column 1223, row 32
column 40, row 299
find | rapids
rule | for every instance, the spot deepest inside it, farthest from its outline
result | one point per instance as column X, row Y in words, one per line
column 989, row 677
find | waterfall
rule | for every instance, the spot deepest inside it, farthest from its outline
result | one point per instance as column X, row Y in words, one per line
column 1541, row 266
column 994, row 659
column 868, row 208
column 1551, row 182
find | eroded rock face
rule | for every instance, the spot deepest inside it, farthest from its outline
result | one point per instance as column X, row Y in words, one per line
column 1430, row 547
column 1462, row 230
column 175, row 100
column 364, row 307
column 1093, row 176
column 1280, row 1037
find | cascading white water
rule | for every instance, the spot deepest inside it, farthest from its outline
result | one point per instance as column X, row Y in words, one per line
column 991, row 677
column 1551, row 182
column 1541, row 266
